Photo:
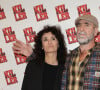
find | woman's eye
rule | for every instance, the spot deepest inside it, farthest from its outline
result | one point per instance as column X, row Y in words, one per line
column 45, row 40
column 53, row 38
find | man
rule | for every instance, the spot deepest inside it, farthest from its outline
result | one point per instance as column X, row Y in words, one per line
column 83, row 67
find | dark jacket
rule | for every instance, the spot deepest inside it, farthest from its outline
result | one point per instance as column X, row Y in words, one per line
column 33, row 76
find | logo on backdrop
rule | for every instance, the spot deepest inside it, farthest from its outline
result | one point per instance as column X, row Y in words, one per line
column 9, row 35
column 20, row 58
column 2, row 14
column 2, row 56
column 19, row 13
column 82, row 10
column 10, row 77
column 62, row 13
column 71, row 35
column 29, row 34
column 40, row 12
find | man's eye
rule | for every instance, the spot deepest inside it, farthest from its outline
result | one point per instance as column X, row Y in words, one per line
column 87, row 24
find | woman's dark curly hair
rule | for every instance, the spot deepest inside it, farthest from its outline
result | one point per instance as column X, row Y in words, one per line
column 61, row 52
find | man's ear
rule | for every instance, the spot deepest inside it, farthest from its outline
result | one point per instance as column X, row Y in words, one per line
column 96, row 31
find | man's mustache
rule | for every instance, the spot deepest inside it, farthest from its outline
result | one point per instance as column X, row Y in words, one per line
column 81, row 33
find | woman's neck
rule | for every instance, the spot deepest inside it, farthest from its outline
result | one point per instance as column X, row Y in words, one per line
column 51, row 58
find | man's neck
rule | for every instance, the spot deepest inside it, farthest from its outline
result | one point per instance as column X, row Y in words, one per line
column 87, row 47
column 84, row 50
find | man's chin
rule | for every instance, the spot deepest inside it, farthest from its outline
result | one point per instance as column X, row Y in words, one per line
column 83, row 42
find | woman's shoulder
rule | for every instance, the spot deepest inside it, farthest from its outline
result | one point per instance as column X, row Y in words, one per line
column 34, row 63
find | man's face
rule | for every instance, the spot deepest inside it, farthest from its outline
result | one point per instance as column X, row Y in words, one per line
column 85, row 31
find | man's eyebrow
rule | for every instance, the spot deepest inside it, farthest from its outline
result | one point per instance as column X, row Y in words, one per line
column 83, row 23
column 86, row 23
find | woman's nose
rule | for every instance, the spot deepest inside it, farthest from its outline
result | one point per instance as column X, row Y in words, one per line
column 49, row 41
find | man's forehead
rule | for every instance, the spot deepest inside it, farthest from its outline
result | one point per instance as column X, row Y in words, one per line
column 84, row 21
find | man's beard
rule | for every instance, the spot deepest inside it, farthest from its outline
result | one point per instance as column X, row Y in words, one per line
column 83, row 41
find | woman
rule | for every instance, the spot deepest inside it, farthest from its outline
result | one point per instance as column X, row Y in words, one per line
column 44, row 71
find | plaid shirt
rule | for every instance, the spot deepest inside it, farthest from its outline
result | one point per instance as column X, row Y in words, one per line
column 91, row 80
column 77, row 72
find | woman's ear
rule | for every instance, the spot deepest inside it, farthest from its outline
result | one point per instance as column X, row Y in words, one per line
column 58, row 45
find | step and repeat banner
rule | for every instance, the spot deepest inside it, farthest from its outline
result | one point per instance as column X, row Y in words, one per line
column 22, row 19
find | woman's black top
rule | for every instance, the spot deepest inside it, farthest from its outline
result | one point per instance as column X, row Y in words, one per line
column 49, row 76
column 42, row 76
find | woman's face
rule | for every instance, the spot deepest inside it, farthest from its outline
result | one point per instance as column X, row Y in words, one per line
column 49, row 43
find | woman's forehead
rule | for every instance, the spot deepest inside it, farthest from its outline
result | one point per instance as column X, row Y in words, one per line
column 48, row 34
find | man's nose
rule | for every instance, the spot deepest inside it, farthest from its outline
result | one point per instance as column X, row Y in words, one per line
column 81, row 28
